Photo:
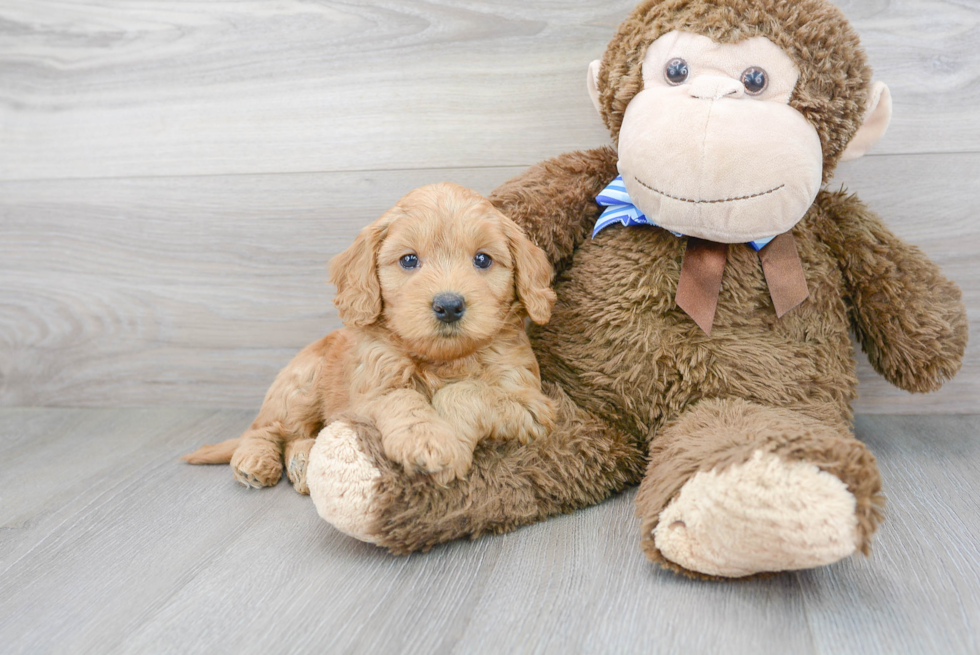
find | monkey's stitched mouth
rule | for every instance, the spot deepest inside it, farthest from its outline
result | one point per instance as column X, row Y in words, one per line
column 707, row 202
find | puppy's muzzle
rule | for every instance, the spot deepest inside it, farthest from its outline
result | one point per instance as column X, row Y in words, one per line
column 449, row 307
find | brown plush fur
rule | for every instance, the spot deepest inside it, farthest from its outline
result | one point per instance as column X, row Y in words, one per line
column 510, row 484
column 715, row 434
column 432, row 389
column 638, row 386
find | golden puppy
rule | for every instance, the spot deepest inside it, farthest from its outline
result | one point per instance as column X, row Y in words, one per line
column 433, row 295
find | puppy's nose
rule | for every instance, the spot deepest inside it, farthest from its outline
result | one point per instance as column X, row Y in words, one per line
column 448, row 307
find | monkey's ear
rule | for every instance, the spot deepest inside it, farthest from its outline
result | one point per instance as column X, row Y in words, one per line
column 354, row 273
column 593, row 84
column 876, row 120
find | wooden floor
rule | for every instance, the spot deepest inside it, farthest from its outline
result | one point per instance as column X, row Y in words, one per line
column 109, row 544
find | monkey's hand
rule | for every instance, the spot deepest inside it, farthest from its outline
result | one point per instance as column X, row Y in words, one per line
column 909, row 319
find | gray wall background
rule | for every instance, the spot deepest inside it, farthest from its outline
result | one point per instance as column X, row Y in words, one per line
column 175, row 175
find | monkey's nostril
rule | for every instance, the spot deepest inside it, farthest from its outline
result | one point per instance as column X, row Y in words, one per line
column 449, row 307
column 713, row 87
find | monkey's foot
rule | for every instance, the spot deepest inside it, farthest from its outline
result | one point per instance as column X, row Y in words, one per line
column 765, row 514
column 734, row 489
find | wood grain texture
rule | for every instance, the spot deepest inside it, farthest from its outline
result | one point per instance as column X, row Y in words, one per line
column 183, row 262
column 98, row 89
column 111, row 545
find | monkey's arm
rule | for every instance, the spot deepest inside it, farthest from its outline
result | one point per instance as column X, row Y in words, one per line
column 909, row 319
column 554, row 200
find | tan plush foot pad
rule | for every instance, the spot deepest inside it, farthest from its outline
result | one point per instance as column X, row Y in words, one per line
column 767, row 514
column 343, row 481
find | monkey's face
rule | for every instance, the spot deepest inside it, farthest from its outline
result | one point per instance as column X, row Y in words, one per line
column 711, row 147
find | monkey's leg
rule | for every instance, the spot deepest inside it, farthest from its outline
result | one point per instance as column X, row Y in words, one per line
column 360, row 492
column 735, row 489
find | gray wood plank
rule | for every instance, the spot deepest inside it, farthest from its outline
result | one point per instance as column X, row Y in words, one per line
column 167, row 558
column 91, row 555
column 919, row 592
column 328, row 593
column 167, row 88
column 196, row 291
column 57, row 463
column 97, row 89
column 588, row 588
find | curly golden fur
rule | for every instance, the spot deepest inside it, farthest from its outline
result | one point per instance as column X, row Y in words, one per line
column 433, row 388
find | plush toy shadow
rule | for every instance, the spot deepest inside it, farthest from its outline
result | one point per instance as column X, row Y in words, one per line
column 700, row 343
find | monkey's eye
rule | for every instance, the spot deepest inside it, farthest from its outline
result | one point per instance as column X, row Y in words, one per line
column 755, row 80
column 482, row 260
column 409, row 261
column 675, row 72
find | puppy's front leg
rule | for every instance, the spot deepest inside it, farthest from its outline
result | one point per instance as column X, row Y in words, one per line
column 531, row 416
column 480, row 410
column 466, row 406
column 414, row 435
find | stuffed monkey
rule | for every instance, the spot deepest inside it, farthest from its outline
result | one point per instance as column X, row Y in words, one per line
column 706, row 285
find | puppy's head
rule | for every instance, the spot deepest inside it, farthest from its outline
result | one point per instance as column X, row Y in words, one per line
column 444, row 270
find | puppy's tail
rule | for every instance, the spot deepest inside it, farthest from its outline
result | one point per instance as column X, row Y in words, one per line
column 218, row 453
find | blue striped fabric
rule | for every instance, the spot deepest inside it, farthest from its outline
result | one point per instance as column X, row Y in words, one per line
column 620, row 209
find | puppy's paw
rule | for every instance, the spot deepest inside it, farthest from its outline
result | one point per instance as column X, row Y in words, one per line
column 534, row 419
column 297, row 456
column 257, row 465
column 542, row 413
column 431, row 447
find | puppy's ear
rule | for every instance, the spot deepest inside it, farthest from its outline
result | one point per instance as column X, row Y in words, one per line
column 532, row 273
column 355, row 274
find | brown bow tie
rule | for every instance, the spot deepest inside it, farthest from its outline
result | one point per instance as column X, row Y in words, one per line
column 704, row 264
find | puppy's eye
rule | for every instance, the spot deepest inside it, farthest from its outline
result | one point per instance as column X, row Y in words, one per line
column 755, row 80
column 482, row 260
column 676, row 71
column 409, row 261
